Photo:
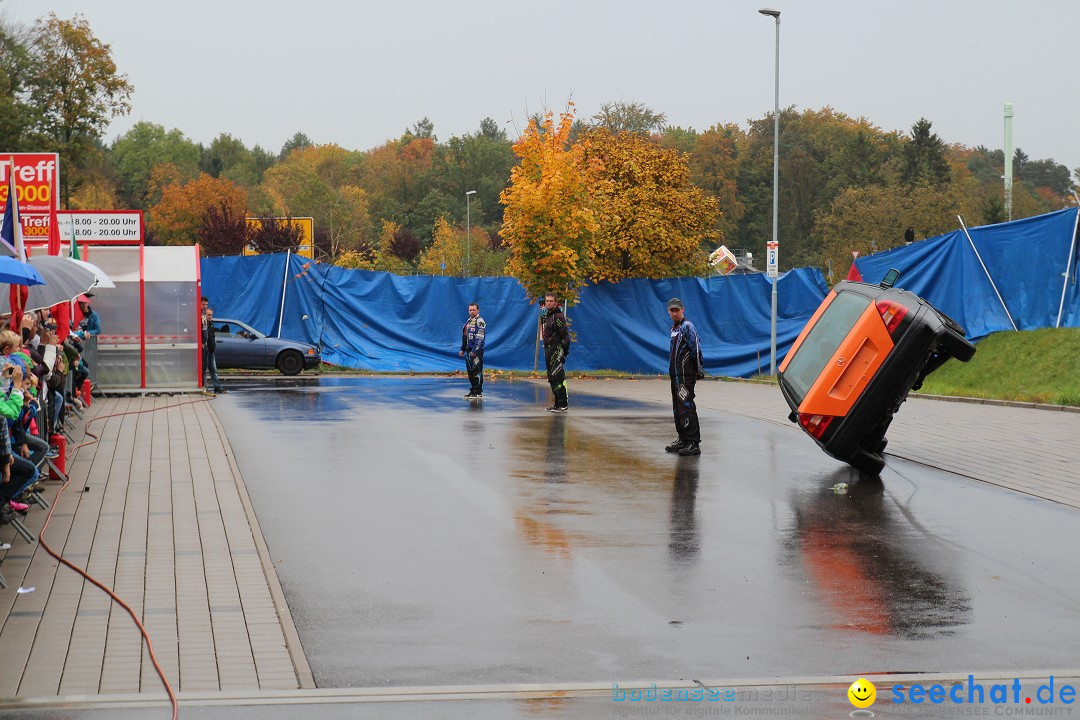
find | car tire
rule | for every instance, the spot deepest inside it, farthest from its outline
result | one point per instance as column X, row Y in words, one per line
column 957, row 347
column 866, row 462
column 290, row 362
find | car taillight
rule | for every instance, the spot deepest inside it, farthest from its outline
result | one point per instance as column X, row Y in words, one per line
column 815, row 424
column 891, row 313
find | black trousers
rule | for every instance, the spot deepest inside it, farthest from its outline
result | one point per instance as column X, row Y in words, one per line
column 556, row 373
column 686, row 420
column 475, row 368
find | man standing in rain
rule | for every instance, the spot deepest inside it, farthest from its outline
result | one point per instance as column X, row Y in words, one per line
column 472, row 349
column 556, row 348
column 685, row 366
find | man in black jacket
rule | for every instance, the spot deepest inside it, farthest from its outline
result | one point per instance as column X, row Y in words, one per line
column 209, row 347
column 685, row 367
column 556, row 348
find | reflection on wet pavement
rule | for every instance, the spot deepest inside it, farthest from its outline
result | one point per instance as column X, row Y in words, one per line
column 424, row 540
column 865, row 564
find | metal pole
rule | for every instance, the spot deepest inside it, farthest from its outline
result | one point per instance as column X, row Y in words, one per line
column 1068, row 265
column 775, row 14
column 1008, row 159
column 1000, row 299
column 284, row 285
column 468, row 233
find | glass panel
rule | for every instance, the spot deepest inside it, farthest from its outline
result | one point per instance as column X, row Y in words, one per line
column 820, row 345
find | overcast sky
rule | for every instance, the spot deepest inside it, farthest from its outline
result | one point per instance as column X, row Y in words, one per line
column 357, row 73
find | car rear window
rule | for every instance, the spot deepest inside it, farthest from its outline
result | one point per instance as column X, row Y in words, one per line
column 821, row 343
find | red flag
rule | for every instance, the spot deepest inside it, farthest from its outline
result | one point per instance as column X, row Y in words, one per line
column 54, row 231
column 17, row 295
column 62, row 315
column 853, row 273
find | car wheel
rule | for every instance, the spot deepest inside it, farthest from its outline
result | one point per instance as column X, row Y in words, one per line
column 956, row 346
column 867, row 462
column 290, row 362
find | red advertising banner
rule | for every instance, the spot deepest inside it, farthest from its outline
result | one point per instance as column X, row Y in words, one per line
column 37, row 182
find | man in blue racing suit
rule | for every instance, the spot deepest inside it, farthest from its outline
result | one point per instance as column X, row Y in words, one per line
column 685, row 367
column 472, row 349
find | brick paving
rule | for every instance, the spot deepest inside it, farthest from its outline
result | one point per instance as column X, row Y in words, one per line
column 165, row 523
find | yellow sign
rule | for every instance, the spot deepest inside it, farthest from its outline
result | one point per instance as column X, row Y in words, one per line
column 307, row 234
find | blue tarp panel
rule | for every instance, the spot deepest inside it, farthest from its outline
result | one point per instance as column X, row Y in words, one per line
column 385, row 322
column 1026, row 259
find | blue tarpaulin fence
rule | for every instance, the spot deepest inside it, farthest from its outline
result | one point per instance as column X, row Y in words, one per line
column 1026, row 259
column 385, row 322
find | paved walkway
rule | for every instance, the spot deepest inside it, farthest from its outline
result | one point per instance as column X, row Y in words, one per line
column 167, row 523
column 164, row 521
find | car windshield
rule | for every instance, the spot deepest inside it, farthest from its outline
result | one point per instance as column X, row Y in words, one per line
column 821, row 343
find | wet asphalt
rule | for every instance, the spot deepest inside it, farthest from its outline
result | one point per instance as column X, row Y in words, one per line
column 424, row 540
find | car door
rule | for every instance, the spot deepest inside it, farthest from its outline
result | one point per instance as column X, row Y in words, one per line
column 255, row 352
column 231, row 348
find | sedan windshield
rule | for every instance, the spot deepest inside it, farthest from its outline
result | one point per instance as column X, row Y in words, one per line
column 820, row 344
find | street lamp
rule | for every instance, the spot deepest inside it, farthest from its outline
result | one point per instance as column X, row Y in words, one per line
column 468, row 233
column 774, row 247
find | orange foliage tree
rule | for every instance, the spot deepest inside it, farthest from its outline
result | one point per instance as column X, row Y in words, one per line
column 652, row 220
column 177, row 218
column 549, row 218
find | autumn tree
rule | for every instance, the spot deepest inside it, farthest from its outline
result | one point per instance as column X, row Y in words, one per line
column 320, row 182
column 272, row 235
column 396, row 250
column 549, row 217
column 224, row 231
column 75, row 87
column 447, row 256
column 181, row 213
column 651, row 220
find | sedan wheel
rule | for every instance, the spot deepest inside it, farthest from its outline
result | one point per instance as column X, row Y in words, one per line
column 290, row 362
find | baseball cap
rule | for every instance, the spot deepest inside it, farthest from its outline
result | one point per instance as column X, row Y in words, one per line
column 674, row 303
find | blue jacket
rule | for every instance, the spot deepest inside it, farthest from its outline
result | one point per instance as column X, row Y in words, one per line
column 685, row 362
column 472, row 335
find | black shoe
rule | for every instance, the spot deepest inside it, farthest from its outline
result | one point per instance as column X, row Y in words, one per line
column 558, row 408
column 675, row 446
column 690, row 448
column 470, row 396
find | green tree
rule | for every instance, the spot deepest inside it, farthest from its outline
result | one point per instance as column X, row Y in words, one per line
column 18, row 117
column 631, row 117
column 924, row 157
column 76, row 89
column 299, row 141
column 145, row 146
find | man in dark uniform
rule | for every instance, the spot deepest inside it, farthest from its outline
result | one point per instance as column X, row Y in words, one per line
column 472, row 349
column 685, row 366
column 556, row 348
column 209, row 349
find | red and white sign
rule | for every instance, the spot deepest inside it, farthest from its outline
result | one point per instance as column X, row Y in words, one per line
column 37, row 184
column 772, row 255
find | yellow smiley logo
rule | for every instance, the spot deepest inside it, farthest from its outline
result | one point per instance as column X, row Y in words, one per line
column 862, row 693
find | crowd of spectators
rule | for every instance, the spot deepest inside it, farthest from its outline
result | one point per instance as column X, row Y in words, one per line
column 43, row 367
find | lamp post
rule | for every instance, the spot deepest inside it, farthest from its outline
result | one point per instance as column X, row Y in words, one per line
column 774, row 249
column 468, row 233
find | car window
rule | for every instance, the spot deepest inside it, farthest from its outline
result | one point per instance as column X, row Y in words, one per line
column 821, row 343
column 224, row 330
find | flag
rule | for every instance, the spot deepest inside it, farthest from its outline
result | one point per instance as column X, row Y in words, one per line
column 853, row 273
column 11, row 230
column 74, row 248
column 54, row 231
